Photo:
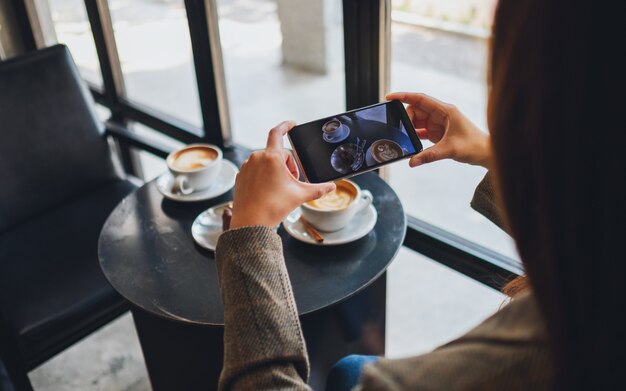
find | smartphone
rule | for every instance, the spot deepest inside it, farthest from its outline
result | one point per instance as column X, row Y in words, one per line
column 354, row 142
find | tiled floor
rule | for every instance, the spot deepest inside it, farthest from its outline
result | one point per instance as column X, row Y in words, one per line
column 108, row 360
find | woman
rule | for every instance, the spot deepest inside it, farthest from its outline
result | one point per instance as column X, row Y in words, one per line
column 561, row 198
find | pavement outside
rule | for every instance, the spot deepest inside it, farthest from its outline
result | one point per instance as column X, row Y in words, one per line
column 427, row 303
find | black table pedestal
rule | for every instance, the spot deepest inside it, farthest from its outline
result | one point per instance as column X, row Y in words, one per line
column 181, row 356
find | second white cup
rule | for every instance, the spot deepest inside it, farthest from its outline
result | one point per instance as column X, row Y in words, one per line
column 334, row 211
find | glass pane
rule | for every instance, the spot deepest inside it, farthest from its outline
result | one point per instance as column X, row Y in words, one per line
column 103, row 112
column 151, row 165
column 440, row 48
column 154, row 46
column 72, row 28
column 283, row 60
column 429, row 304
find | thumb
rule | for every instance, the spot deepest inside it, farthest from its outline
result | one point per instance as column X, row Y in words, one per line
column 313, row 191
column 429, row 155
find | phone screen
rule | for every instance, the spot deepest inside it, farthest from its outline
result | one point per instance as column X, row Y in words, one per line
column 354, row 142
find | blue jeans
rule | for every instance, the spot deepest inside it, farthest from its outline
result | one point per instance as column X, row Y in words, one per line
column 345, row 374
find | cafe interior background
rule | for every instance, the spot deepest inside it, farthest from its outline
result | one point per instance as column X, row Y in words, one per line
column 165, row 73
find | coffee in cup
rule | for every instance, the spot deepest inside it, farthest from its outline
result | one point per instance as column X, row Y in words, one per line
column 194, row 167
column 194, row 158
column 333, row 211
column 332, row 128
column 385, row 150
column 338, row 199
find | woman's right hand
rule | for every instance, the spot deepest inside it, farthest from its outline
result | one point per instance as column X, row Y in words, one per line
column 267, row 188
column 454, row 135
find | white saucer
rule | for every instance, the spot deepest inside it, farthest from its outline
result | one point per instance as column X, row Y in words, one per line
column 224, row 182
column 360, row 226
column 207, row 227
column 339, row 138
column 369, row 159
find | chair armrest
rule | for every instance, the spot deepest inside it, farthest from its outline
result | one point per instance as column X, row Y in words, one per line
column 126, row 137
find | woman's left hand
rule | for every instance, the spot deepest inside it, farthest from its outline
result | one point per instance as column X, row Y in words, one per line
column 267, row 187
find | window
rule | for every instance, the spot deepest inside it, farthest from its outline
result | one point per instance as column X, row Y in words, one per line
column 71, row 27
column 152, row 165
column 429, row 304
column 440, row 48
column 154, row 47
column 283, row 61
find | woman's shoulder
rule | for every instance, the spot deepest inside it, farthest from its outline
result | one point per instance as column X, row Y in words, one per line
column 509, row 350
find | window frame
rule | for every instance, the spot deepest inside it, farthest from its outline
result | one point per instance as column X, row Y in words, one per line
column 366, row 50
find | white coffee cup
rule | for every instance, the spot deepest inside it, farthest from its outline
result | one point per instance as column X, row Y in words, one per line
column 194, row 167
column 334, row 211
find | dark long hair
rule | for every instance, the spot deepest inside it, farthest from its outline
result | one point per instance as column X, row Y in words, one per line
column 556, row 107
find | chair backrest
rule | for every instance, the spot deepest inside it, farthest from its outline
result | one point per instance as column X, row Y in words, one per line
column 52, row 146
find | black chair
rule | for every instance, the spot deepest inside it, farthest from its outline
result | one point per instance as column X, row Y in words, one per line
column 58, row 184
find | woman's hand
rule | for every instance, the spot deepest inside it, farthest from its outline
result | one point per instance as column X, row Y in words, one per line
column 267, row 187
column 454, row 135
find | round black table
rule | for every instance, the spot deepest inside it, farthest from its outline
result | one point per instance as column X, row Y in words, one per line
column 147, row 253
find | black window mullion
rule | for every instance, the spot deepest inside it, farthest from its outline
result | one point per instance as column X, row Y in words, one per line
column 464, row 256
column 361, row 29
column 205, row 44
column 26, row 35
column 162, row 122
column 102, row 30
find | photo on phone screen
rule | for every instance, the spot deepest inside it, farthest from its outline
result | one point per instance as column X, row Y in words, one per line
column 351, row 143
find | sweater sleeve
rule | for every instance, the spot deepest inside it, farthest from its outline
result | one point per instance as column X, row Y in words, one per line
column 485, row 201
column 264, row 347
column 508, row 351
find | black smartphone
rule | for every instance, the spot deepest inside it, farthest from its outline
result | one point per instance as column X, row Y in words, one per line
column 354, row 142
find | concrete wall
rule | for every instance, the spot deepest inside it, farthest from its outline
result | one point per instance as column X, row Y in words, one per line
column 304, row 24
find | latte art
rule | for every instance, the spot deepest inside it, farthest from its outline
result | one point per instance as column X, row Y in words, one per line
column 386, row 153
column 338, row 199
column 194, row 158
column 385, row 150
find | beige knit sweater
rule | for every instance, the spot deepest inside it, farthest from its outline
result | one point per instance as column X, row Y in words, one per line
column 264, row 348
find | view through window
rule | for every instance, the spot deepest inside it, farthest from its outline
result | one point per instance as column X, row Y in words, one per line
column 283, row 60
column 154, row 48
column 72, row 29
column 440, row 48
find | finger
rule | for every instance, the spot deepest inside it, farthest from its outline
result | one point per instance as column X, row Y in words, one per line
column 429, row 155
column 411, row 113
column 418, row 118
column 275, row 137
column 417, row 112
column 425, row 102
column 313, row 191
column 422, row 133
column 291, row 164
